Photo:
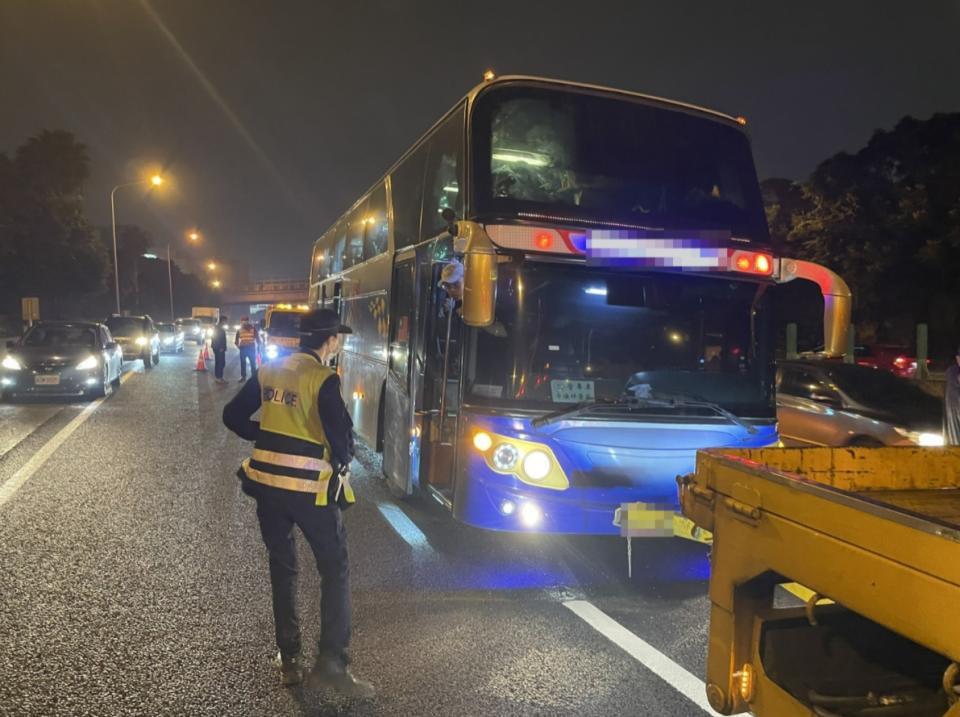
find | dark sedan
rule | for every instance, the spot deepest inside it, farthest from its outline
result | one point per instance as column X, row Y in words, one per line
column 62, row 359
column 827, row 403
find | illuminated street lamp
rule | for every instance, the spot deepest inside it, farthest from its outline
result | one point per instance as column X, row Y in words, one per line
column 212, row 266
column 215, row 283
column 156, row 180
column 193, row 235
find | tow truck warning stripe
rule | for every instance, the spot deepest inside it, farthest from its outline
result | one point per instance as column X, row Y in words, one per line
column 666, row 669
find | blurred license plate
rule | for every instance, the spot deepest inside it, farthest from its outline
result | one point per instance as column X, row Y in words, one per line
column 52, row 380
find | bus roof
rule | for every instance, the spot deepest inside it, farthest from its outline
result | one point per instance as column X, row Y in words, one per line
column 471, row 96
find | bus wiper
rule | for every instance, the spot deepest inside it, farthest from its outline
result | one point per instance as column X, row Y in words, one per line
column 575, row 410
column 675, row 399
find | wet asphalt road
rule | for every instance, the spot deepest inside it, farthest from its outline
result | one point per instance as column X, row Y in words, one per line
column 133, row 582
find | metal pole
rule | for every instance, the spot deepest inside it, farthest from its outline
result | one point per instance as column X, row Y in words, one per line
column 170, row 279
column 446, row 361
column 113, row 222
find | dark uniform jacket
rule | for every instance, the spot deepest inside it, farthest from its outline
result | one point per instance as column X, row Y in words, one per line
column 337, row 423
column 219, row 340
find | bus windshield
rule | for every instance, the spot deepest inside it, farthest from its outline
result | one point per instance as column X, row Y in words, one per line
column 571, row 156
column 567, row 334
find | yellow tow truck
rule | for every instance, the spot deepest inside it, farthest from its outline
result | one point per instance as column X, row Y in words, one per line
column 874, row 535
column 281, row 329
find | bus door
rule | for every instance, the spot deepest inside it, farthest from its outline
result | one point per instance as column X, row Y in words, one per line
column 441, row 384
column 398, row 404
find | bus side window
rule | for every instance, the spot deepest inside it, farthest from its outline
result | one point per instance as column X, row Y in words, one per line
column 339, row 249
column 355, row 224
column 376, row 227
column 406, row 191
column 443, row 185
column 403, row 296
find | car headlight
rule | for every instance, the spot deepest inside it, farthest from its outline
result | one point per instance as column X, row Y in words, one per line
column 921, row 438
column 272, row 351
column 167, row 341
column 9, row 362
column 505, row 457
column 141, row 341
column 209, row 333
column 536, row 464
column 90, row 362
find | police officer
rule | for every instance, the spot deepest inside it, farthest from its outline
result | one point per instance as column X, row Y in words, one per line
column 247, row 339
column 297, row 474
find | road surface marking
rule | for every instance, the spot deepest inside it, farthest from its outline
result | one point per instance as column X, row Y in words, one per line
column 23, row 432
column 666, row 669
column 9, row 489
column 403, row 526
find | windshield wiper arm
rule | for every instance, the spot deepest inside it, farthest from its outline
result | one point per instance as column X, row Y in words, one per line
column 675, row 399
column 574, row 410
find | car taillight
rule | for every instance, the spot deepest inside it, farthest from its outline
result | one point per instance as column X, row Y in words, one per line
column 901, row 361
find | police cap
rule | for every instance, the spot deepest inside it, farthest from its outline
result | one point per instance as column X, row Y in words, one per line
column 322, row 321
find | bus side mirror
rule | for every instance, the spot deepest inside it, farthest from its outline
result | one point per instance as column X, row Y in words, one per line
column 479, row 275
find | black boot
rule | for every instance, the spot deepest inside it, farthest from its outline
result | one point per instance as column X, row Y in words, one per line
column 291, row 669
column 331, row 671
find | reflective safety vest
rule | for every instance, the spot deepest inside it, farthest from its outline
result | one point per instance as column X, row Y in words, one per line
column 292, row 451
column 246, row 336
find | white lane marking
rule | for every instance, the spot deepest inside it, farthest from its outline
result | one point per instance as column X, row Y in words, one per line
column 687, row 684
column 403, row 526
column 9, row 489
column 19, row 432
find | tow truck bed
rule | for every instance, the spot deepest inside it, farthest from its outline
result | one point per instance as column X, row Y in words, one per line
column 877, row 531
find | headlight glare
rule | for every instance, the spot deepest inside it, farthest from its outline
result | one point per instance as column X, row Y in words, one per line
column 167, row 341
column 141, row 341
column 90, row 362
column 505, row 457
column 9, row 362
column 536, row 464
column 921, row 438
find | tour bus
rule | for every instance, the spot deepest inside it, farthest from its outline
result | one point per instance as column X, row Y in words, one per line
column 615, row 312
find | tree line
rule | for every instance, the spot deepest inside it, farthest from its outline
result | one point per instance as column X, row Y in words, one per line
column 49, row 249
column 887, row 219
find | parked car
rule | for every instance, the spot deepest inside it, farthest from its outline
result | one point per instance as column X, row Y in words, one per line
column 825, row 403
column 171, row 338
column 138, row 337
column 897, row 359
column 63, row 359
column 192, row 330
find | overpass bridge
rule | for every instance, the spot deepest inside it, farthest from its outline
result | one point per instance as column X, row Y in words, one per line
column 268, row 291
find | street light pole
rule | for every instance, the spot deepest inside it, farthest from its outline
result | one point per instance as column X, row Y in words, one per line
column 170, row 279
column 156, row 180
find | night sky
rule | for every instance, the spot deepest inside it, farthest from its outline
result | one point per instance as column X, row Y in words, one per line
column 271, row 117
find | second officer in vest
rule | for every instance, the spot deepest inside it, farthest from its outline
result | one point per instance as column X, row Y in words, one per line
column 297, row 474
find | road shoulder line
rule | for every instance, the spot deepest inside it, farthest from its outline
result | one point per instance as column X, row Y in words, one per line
column 666, row 669
column 26, row 471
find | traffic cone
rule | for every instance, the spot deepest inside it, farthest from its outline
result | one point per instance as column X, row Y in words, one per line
column 206, row 352
column 201, row 362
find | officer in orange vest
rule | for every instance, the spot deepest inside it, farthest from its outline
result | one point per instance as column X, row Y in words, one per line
column 298, row 476
column 248, row 341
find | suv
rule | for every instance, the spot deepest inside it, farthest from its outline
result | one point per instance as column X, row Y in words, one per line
column 192, row 330
column 138, row 337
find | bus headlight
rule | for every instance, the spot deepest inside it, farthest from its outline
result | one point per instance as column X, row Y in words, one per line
column 530, row 514
column 530, row 462
column 536, row 464
column 505, row 457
